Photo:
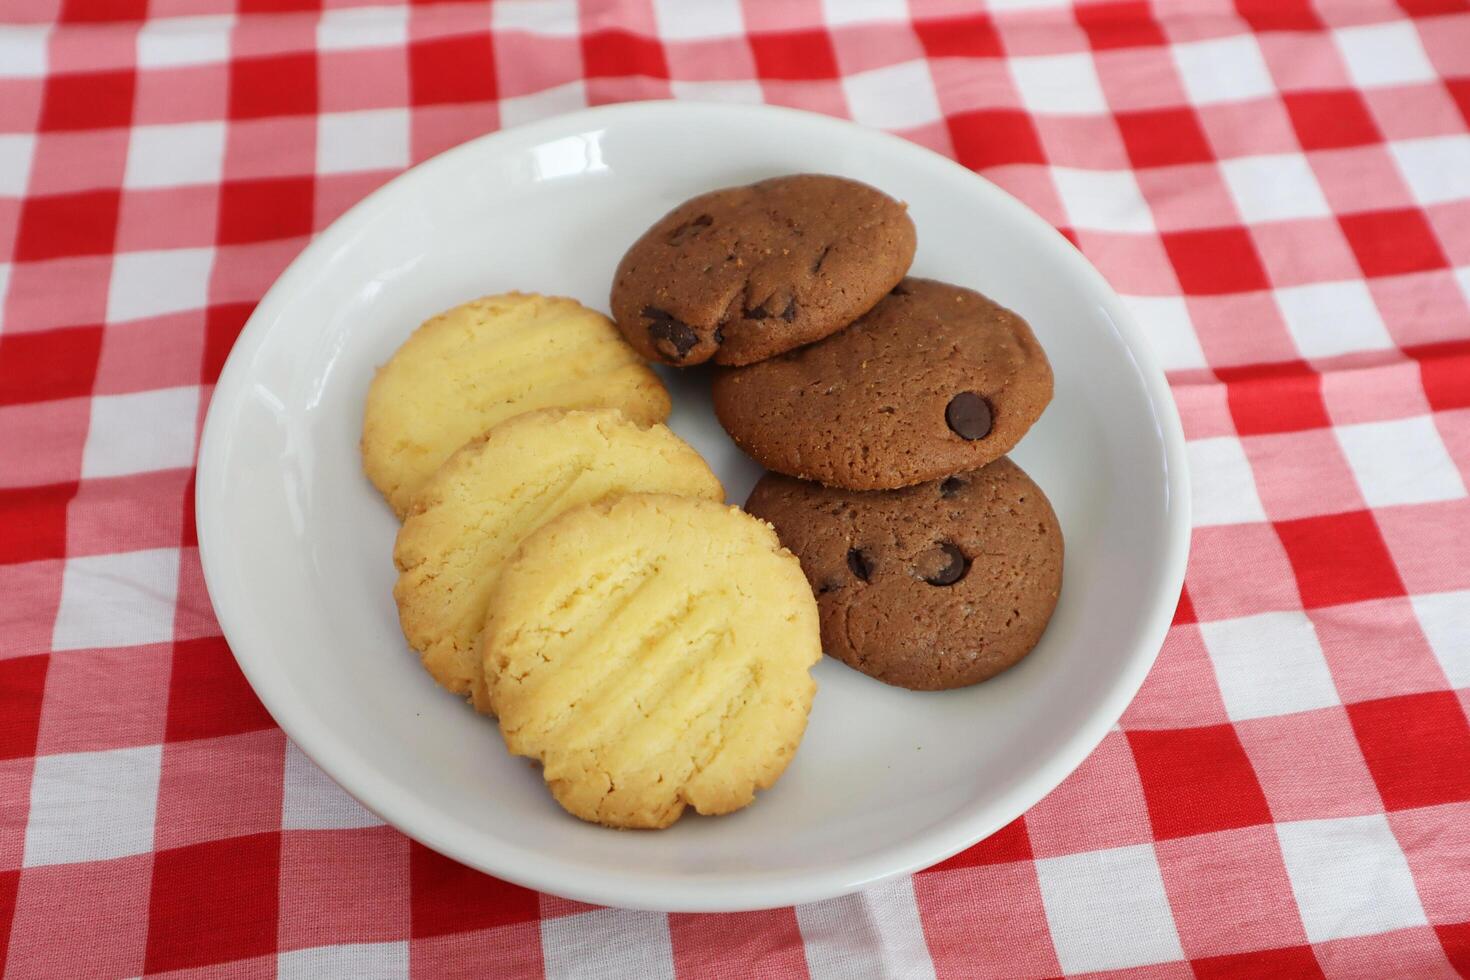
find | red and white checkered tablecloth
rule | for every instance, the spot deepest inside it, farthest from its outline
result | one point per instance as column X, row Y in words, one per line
column 1279, row 188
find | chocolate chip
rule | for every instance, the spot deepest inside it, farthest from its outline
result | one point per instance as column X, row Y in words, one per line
column 675, row 332
column 831, row 585
column 720, row 334
column 758, row 313
column 689, row 228
column 859, row 563
column 951, row 486
column 817, row 265
column 968, row 416
column 944, row 564
column 789, row 313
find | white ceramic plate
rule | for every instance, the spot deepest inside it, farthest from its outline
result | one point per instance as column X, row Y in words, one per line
column 296, row 544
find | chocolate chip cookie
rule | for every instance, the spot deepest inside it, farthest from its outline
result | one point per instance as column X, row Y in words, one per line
column 931, row 587
column 934, row 380
column 745, row 273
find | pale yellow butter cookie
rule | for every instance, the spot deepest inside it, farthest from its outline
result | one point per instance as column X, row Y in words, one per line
column 486, row 361
column 653, row 652
column 492, row 493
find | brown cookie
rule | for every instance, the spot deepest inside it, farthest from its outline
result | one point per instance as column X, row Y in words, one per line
column 934, row 586
column 745, row 273
column 936, row 379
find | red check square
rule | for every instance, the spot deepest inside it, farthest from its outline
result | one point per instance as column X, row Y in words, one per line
column 1331, row 120
column 1444, row 371
column 1391, row 243
column 265, row 210
column 1009, row 843
column 63, row 225
column 208, row 696
column 23, row 679
column 112, row 12
column 213, row 902
column 1125, row 24
column 283, row 85
column 1279, row 15
column 447, row 897
column 995, row 137
column 1197, row 780
column 1456, row 941
column 1212, row 261
column 222, row 325
column 1287, row 963
column 1267, row 398
column 1417, row 747
column 91, row 100
column 35, row 521
column 1339, row 558
column 967, row 36
column 1164, row 137
column 452, row 69
column 794, row 55
column 48, row 364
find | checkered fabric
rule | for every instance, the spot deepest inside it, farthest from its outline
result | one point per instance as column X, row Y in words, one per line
column 1279, row 188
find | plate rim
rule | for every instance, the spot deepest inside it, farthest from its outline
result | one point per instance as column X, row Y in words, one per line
column 630, row 889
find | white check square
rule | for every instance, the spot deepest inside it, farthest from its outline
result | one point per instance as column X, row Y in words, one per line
column 1349, row 876
column 1443, row 616
column 1103, row 200
column 544, row 104
column 175, row 155
column 92, row 806
column 1436, row 169
column 1384, row 54
column 1330, row 318
column 680, row 20
column 1274, row 188
column 148, row 284
column 1402, row 461
column 622, row 943
column 839, row 13
column 896, row 97
column 171, row 42
column 361, row 961
column 1228, row 69
column 23, row 50
column 1224, row 488
column 312, row 801
column 17, row 150
column 1268, row 665
column 1094, row 897
column 1165, row 321
column 125, row 599
column 362, row 27
column 1059, row 84
column 351, row 142
column 141, row 432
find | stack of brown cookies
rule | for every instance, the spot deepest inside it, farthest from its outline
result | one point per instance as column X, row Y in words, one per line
column 884, row 406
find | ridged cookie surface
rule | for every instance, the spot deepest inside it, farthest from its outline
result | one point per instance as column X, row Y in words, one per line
column 471, row 515
column 486, row 361
column 653, row 652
